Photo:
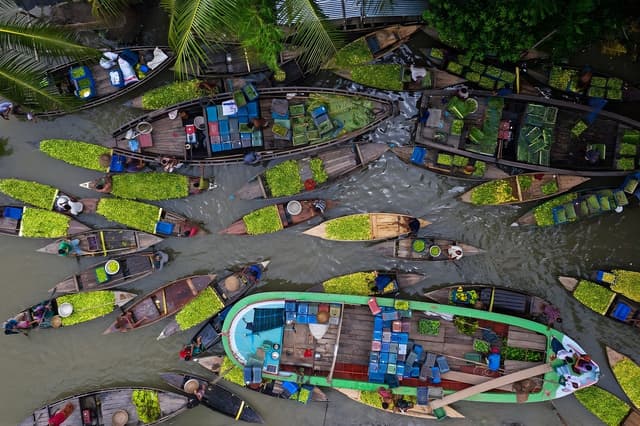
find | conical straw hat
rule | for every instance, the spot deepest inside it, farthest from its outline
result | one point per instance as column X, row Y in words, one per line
column 120, row 418
column 56, row 321
column 232, row 283
column 191, row 386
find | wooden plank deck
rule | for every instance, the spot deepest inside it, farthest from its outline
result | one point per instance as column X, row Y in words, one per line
column 356, row 335
column 521, row 338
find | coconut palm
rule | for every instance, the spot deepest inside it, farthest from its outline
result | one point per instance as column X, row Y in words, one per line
column 25, row 47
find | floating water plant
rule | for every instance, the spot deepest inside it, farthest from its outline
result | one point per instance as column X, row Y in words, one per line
column 543, row 214
column 610, row 409
column 627, row 373
column 134, row 214
column 355, row 227
column 627, row 283
column 150, row 186
column 77, row 153
column 594, row 296
column 37, row 223
column 34, row 193
column 495, row 192
column 263, row 221
column 204, row 306
column 147, row 405
column 87, row 306
column 171, row 94
column 380, row 76
column 359, row 283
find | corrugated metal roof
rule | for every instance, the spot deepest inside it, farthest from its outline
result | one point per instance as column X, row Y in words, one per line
column 344, row 9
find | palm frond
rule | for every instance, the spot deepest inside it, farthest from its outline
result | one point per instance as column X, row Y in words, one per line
column 108, row 10
column 169, row 6
column 319, row 38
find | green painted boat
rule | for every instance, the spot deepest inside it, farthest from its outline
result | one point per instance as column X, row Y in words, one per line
column 278, row 335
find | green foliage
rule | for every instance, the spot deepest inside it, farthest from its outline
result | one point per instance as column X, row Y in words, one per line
column 204, row 306
column 610, row 409
column 150, row 186
column 543, row 214
column 627, row 373
column 356, row 227
column 259, row 32
column 263, row 221
column 521, row 354
column 34, row 193
column 498, row 191
column 625, row 163
column 549, row 188
column 628, row 149
column 460, row 161
column 171, row 94
column 134, row 214
column 480, row 168
column 354, row 53
column 357, row 283
column 147, row 405
column 524, row 181
column 444, row 159
column 465, row 325
column 371, row 398
column 627, row 283
column 594, row 296
column 37, row 223
column 284, row 179
column 81, row 154
column 302, row 395
column 87, row 306
column 317, row 170
column 233, row 373
column 380, row 76
column 430, row 327
column 481, row 346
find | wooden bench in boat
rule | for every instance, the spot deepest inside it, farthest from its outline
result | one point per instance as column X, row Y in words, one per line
column 521, row 338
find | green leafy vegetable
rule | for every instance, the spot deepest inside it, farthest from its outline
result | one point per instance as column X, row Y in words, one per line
column 284, row 179
column 37, row 223
column 371, row 398
column 263, row 221
column 81, row 154
column 317, row 169
column 354, row 53
column 549, row 188
column 627, row 373
column 627, row 283
column 134, row 214
column 87, row 306
column 498, row 191
column 481, row 346
column 357, row 283
column 233, row 373
column 626, row 163
column 430, row 327
column 543, row 214
column 465, row 325
column 525, row 181
column 147, row 405
column 150, row 186
column 610, row 409
column 594, row 296
column 380, row 76
column 355, row 227
column 34, row 193
column 171, row 94
column 204, row 306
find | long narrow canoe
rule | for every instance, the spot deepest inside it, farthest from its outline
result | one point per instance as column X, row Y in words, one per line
column 457, row 166
column 129, row 268
column 497, row 299
column 37, row 223
column 224, row 293
column 372, row 46
column 607, row 407
column 161, row 303
column 215, row 397
column 521, row 188
column 369, row 283
column 149, row 186
column 626, row 372
column 276, row 217
column 621, row 281
column 603, row 301
column 394, row 77
column 364, row 227
column 84, row 307
column 106, row 405
column 289, row 178
column 107, row 242
column 60, row 77
column 410, row 248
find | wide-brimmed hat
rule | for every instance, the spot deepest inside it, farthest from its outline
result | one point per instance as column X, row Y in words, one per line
column 120, row 418
column 232, row 283
column 191, row 386
column 56, row 321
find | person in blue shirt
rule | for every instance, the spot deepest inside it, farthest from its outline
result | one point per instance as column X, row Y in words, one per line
column 5, row 109
column 493, row 359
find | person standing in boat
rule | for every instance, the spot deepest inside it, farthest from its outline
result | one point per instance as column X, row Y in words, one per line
column 61, row 415
column 67, row 247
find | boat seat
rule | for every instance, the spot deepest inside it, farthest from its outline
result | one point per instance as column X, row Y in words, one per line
column 373, row 44
column 92, row 241
column 504, row 300
column 621, row 311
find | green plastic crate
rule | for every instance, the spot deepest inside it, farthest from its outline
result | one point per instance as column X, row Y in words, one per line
column 296, row 110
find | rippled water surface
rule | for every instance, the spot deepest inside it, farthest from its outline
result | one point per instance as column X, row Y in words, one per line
column 48, row 365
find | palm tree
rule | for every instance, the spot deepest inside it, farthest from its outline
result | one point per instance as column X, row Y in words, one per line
column 26, row 46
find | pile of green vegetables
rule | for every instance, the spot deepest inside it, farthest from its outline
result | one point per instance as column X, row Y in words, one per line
column 87, row 306
column 77, row 153
column 34, row 193
column 150, row 186
column 359, row 283
column 147, row 405
column 355, row 227
column 133, row 214
column 204, row 306
column 37, row 223
column 263, row 221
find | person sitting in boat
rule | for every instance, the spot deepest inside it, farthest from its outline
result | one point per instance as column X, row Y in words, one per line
column 67, row 247
column 592, row 156
column 189, row 229
column 159, row 259
column 253, row 273
column 126, row 322
column 5, row 109
column 170, row 164
column 66, row 205
column 387, row 397
column 15, row 325
column 61, row 415
column 414, row 227
column 463, row 92
column 104, row 184
column 402, row 405
column 258, row 123
column 192, row 349
column 455, row 253
column 320, row 206
column 252, row 158
column 585, row 77
column 132, row 165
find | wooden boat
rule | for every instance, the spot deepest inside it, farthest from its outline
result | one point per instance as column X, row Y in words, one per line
column 98, row 78
column 149, row 186
column 576, row 206
column 373, row 45
column 161, row 303
column 579, row 84
column 226, row 290
column 498, row 299
column 284, row 215
column 130, row 268
column 396, row 77
column 374, row 226
column 274, row 388
column 462, row 168
column 608, row 408
column 67, row 310
column 350, row 353
column 403, row 248
column 336, row 163
column 533, row 134
column 521, row 188
column 376, row 283
column 626, row 372
column 298, row 124
column 25, row 222
column 603, row 301
column 216, row 397
column 107, row 242
column 105, row 404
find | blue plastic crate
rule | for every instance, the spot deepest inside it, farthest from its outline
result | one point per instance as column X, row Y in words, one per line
column 400, row 369
column 443, row 365
column 385, row 346
column 290, row 316
column 435, row 372
column 290, row 306
column 302, row 319
column 422, row 395
column 236, row 144
column 303, row 308
column 377, row 334
column 403, row 338
column 387, row 324
column 313, row 319
column 417, row 349
column 390, row 316
column 384, row 357
column 395, row 338
column 415, row 371
column 377, row 323
column 224, row 127
column 376, row 377
column 393, row 357
column 252, row 109
column 225, row 138
column 374, row 357
column 417, row 157
column 216, row 147
column 13, row 213
column 393, row 347
column 212, row 113
column 386, row 336
column 226, row 146
column 374, row 367
column 318, row 111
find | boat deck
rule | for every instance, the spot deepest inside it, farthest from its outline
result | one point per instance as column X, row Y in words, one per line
column 130, row 267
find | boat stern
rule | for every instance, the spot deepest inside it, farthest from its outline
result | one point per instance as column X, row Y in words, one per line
column 573, row 367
